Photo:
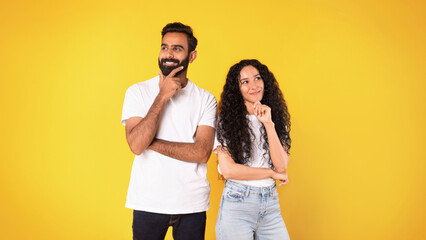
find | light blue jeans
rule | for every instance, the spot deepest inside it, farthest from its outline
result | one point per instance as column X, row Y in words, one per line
column 248, row 212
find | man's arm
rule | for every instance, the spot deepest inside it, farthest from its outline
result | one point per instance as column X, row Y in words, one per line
column 199, row 151
column 141, row 131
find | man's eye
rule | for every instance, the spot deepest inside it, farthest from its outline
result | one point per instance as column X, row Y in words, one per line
column 177, row 49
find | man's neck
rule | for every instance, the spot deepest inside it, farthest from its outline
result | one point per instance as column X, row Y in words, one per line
column 183, row 79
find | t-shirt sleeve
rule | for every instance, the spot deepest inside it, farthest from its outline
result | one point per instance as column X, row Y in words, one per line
column 209, row 114
column 133, row 104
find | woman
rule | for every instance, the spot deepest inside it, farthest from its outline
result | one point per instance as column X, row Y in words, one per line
column 252, row 142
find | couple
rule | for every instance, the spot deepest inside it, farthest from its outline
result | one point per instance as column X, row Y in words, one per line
column 170, row 127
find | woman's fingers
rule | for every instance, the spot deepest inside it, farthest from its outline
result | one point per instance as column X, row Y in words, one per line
column 259, row 109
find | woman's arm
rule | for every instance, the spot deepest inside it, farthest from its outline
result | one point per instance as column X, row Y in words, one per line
column 232, row 170
column 279, row 156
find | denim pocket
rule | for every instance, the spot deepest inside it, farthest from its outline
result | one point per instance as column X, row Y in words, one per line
column 274, row 195
column 235, row 195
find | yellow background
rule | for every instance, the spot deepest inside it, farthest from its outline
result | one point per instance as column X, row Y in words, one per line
column 353, row 74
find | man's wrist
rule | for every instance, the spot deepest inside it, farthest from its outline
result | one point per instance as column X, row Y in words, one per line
column 161, row 98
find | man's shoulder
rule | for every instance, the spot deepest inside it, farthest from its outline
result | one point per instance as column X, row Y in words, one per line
column 148, row 84
column 202, row 91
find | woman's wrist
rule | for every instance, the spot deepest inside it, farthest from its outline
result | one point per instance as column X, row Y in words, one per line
column 269, row 125
column 273, row 173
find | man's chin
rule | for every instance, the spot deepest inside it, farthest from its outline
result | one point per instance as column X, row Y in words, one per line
column 167, row 70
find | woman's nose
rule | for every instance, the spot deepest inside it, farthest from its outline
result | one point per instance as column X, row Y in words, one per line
column 253, row 85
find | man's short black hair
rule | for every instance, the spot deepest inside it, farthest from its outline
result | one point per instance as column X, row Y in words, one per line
column 182, row 28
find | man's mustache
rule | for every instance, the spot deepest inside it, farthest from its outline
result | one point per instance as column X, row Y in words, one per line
column 169, row 60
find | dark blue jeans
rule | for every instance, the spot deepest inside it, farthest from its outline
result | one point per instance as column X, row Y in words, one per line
column 153, row 226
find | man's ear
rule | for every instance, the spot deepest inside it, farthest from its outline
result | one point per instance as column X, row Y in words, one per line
column 192, row 56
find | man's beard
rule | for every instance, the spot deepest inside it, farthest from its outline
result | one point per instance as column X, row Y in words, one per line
column 166, row 70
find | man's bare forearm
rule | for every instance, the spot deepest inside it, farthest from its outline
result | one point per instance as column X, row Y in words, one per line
column 141, row 135
column 188, row 152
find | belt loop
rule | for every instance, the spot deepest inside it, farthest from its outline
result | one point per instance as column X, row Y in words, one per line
column 247, row 191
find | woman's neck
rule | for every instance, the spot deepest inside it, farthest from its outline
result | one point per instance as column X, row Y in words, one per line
column 249, row 107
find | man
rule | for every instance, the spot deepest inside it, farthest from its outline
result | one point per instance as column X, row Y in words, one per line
column 170, row 128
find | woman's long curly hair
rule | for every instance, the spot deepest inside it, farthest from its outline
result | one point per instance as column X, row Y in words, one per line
column 233, row 129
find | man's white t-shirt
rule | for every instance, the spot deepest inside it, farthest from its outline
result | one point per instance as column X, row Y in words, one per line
column 158, row 183
column 257, row 151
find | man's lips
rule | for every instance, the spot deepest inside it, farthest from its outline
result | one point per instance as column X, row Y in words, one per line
column 170, row 63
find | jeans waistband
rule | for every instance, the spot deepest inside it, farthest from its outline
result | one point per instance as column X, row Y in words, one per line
column 251, row 189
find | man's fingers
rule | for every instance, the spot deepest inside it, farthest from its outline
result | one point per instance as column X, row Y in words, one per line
column 179, row 84
column 161, row 76
column 172, row 73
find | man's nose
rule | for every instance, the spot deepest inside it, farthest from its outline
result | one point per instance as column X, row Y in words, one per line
column 169, row 53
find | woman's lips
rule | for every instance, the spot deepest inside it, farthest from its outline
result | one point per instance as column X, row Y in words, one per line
column 255, row 93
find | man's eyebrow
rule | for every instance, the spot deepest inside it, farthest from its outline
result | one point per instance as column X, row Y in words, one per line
column 174, row 45
column 179, row 46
